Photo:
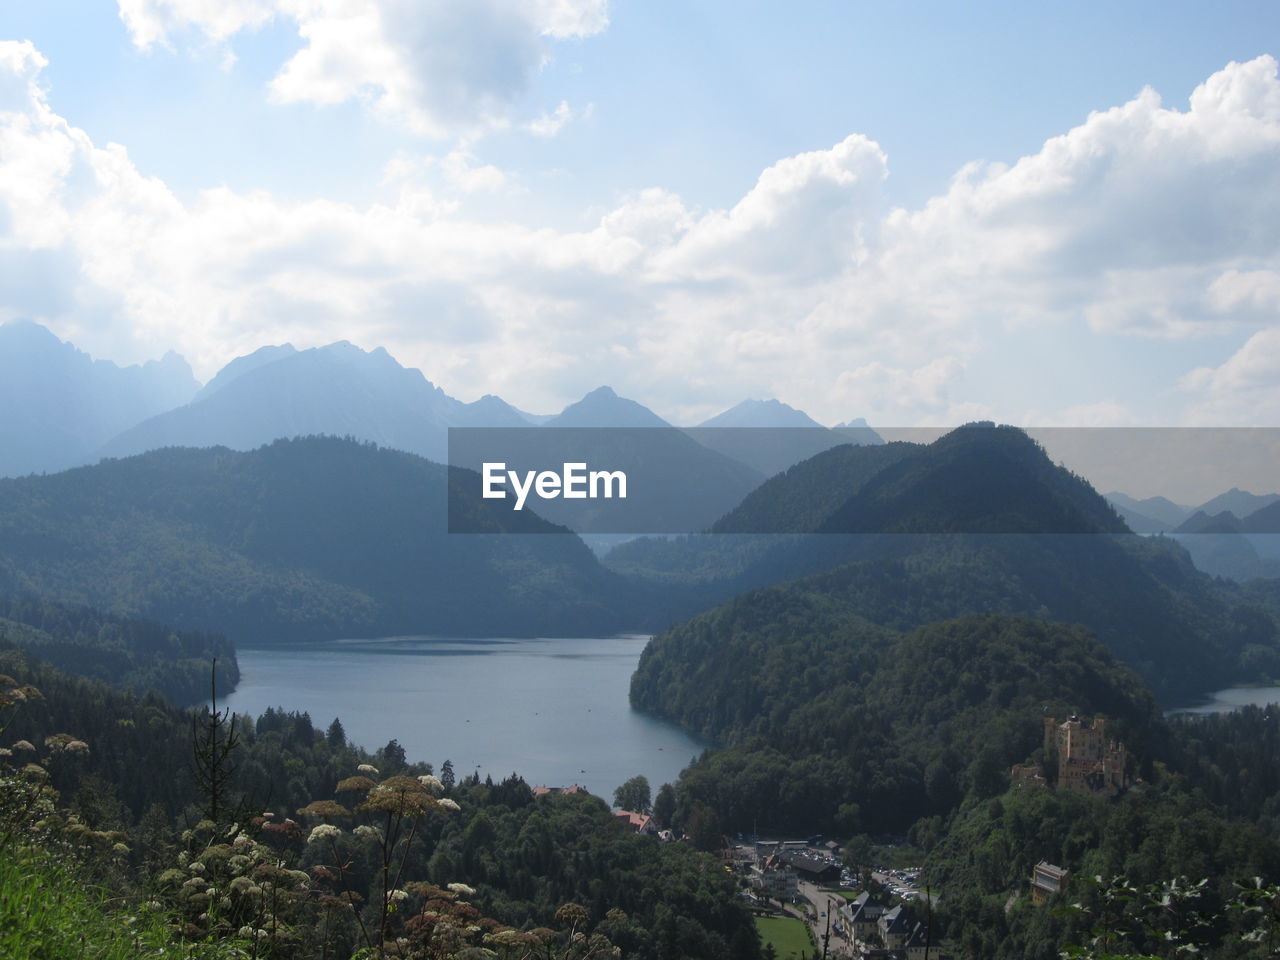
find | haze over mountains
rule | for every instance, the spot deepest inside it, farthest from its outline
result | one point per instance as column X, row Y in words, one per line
column 58, row 405
column 61, row 408
column 325, row 537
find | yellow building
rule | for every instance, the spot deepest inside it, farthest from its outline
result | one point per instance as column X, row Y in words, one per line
column 1088, row 762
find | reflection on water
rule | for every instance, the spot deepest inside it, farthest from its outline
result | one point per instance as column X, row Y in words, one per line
column 1233, row 698
column 553, row 710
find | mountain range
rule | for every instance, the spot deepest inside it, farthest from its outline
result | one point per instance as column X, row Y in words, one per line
column 59, row 408
column 326, row 537
column 58, row 405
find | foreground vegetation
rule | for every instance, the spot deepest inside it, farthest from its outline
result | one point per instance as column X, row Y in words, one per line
column 274, row 839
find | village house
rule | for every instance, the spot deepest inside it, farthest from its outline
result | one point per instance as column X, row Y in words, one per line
column 772, row 878
column 862, row 914
column 638, row 822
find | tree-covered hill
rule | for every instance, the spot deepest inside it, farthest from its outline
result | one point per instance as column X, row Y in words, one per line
column 307, row 538
column 979, row 478
column 1182, row 631
column 136, row 655
column 817, row 708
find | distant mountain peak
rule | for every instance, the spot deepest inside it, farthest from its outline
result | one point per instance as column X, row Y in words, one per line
column 604, row 408
column 770, row 412
column 57, row 403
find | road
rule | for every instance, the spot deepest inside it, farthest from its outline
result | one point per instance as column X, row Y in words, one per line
column 823, row 902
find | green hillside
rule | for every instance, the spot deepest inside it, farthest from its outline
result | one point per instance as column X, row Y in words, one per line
column 305, row 538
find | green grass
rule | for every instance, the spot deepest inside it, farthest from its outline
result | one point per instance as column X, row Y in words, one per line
column 790, row 937
column 45, row 914
column 847, row 894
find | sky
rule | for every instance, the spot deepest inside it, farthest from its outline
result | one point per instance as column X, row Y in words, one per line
column 1053, row 215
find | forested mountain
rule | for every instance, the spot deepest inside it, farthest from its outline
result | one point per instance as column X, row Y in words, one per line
column 316, row 537
column 1182, row 631
column 58, row 405
column 815, row 704
column 978, row 478
column 137, row 655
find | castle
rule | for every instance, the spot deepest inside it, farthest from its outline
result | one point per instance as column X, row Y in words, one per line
column 1088, row 763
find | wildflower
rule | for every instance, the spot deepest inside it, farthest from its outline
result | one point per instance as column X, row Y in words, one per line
column 397, row 896
column 360, row 782
column 243, row 840
column 196, row 867
column 77, row 747
column 432, row 783
column 449, row 804
column 462, row 890
column 401, row 795
column 324, row 809
column 24, row 745
column 120, row 848
column 368, row 769
column 367, row 832
column 325, row 831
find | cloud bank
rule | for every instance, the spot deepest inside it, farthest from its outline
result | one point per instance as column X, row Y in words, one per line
column 1145, row 221
column 442, row 68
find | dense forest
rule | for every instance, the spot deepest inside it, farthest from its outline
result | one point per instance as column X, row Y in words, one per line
column 277, row 838
column 1182, row 631
column 307, row 538
column 138, row 655
column 843, row 727
column 871, row 667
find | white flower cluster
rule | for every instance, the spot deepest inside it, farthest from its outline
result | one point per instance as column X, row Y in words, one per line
column 324, row 831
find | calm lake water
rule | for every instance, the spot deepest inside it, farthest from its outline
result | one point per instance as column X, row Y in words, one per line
column 1233, row 698
column 553, row 710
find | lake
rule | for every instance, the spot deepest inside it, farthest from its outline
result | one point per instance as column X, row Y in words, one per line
column 553, row 710
column 1233, row 698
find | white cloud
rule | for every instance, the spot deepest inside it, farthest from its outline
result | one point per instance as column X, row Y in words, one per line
column 444, row 68
column 465, row 173
column 1242, row 391
column 806, row 216
column 1144, row 220
column 550, row 124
